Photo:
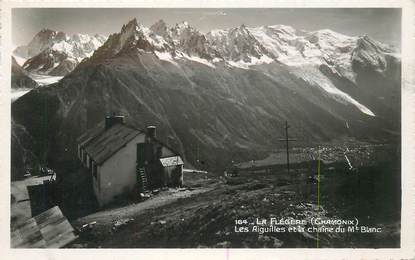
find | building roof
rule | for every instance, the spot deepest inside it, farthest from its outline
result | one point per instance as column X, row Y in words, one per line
column 49, row 229
column 171, row 161
column 100, row 144
column 91, row 133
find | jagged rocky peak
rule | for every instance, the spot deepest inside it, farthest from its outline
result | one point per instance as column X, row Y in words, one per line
column 130, row 32
column 242, row 27
column 327, row 38
column 189, row 40
column 42, row 40
column 366, row 43
column 131, row 29
column 371, row 54
column 133, row 37
column 46, row 31
column 47, row 34
column 49, row 48
column 84, row 38
column 182, row 26
column 183, row 31
column 160, row 28
column 177, row 31
column 45, row 61
column 240, row 31
column 238, row 44
column 283, row 29
column 131, row 25
column 100, row 37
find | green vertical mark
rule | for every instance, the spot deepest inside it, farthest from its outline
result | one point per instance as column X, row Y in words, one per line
column 318, row 179
column 318, row 190
column 45, row 139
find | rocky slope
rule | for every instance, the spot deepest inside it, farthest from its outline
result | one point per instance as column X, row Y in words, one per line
column 20, row 78
column 22, row 155
column 225, row 95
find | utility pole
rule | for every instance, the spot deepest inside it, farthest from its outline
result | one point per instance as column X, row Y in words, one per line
column 287, row 140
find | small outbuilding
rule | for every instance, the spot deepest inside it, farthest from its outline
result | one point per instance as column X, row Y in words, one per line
column 123, row 159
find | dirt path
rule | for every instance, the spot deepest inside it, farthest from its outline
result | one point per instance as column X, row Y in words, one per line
column 190, row 219
column 107, row 217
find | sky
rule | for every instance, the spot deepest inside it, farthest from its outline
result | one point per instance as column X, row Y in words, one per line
column 382, row 24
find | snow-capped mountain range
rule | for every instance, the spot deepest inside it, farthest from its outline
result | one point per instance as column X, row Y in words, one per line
column 56, row 53
column 245, row 47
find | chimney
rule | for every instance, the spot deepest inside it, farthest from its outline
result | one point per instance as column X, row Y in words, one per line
column 151, row 132
column 112, row 120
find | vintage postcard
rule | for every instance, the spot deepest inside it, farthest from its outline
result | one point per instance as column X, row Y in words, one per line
column 224, row 128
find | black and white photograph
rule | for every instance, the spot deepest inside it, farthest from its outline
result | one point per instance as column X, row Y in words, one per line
column 206, row 128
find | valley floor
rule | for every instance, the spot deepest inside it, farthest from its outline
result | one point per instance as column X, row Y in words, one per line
column 43, row 80
column 17, row 93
